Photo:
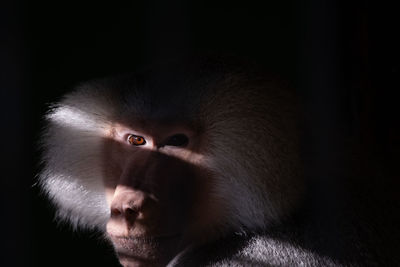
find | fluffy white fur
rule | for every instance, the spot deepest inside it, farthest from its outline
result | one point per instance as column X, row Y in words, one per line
column 72, row 174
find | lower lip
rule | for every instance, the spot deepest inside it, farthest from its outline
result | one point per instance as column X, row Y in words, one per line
column 139, row 239
column 143, row 247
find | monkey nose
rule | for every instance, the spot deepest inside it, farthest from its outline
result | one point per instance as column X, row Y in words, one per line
column 127, row 204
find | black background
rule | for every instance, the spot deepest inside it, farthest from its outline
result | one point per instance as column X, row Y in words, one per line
column 342, row 57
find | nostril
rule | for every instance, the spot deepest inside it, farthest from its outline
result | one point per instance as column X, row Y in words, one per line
column 126, row 212
column 115, row 212
column 130, row 211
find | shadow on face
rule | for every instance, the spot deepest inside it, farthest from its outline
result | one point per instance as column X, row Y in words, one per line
column 160, row 199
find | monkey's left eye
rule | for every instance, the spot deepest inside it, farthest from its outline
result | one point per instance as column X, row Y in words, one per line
column 136, row 140
column 180, row 140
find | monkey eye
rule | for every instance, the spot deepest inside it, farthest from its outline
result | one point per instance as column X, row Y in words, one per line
column 136, row 140
column 177, row 140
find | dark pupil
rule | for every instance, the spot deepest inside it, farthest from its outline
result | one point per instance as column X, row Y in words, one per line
column 177, row 140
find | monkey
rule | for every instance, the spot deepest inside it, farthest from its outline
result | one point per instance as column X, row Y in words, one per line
column 187, row 164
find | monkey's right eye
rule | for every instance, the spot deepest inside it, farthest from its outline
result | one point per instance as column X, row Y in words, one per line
column 136, row 140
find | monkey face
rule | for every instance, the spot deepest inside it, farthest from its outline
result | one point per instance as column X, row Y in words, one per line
column 161, row 170
column 153, row 183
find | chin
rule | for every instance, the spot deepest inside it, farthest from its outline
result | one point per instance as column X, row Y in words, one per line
column 146, row 251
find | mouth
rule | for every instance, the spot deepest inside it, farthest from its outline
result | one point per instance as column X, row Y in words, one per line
column 132, row 241
column 146, row 249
